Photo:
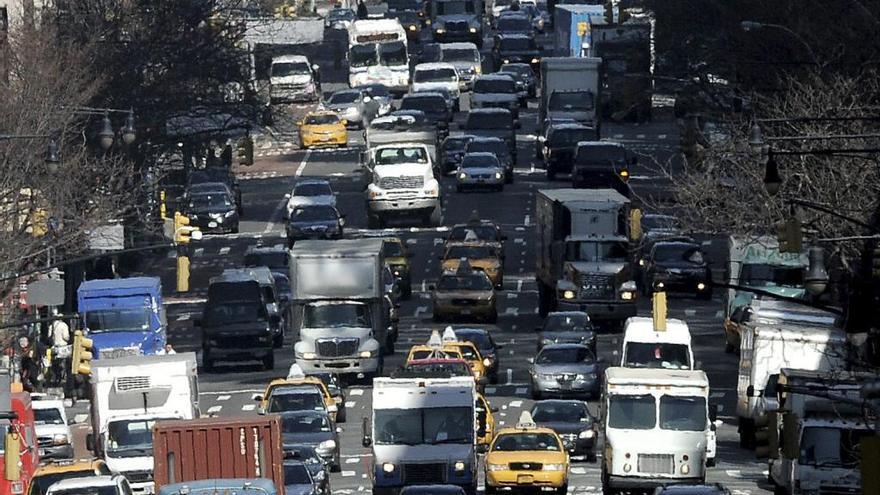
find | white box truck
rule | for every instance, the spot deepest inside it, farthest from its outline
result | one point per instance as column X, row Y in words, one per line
column 128, row 396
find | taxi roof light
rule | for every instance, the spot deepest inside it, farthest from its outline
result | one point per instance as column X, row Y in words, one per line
column 526, row 421
column 449, row 335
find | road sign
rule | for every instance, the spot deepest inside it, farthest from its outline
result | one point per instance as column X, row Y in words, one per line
column 46, row 292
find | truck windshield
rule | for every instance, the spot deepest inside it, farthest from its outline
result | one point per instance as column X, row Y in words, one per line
column 657, row 355
column 570, row 137
column 130, row 438
column 48, row 417
column 760, row 275
column 682, row 413
column 435, row 75
column 454, row 8
column 393, row 53
column 434, row 425
column 571, row 101
column 514, row 442
column 596, row 251
column 364, row 55
column 283, row 69
column 336, row 315
column 232, row 312
column 835, row 447
column 632, row 412
column 495, row 86
column 116, row 320
column 460, row 55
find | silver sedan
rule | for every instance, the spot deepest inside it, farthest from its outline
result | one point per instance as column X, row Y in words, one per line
column 565, row 370
column 351, row 105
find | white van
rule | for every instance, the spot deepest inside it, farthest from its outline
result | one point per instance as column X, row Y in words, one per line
column 644, row 346
column 656, row 425
column 292, row 78
column 466, row 59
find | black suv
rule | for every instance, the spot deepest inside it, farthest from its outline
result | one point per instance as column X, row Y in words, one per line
column 510, row 48
column 557, row 145
column 678, row 266
column 434, row 106
column 493, row 122
column 602, row 164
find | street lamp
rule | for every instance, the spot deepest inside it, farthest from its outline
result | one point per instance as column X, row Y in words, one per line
column 53, row 160
column 128, row 131
column 772, row 179
column 816, row 278
column 754, row 26
column 756, row 137
column 106, row 135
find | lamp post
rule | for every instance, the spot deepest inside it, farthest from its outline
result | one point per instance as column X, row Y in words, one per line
column 754, row 26
column 107, row 135
column 52, row 157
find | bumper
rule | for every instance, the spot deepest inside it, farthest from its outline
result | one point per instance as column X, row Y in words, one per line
column 453, row 36
column 317, row 140
column 403, row 205
column 560, row 162
column 567, row 389
column 682, row 283
column 450, row 310
column 215, row 225
column 640, row 483
column 145, row 488
column 600, row 310
column 500, row 479
column 293, row 96
column 57, row 452
column 473, row 182
column 339, row 365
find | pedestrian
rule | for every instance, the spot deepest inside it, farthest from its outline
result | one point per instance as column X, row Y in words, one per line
column 362, row 10
column 59, row 334
column 167, row 350
column 29, row 365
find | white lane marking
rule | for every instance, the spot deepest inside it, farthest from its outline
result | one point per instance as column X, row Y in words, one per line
column 515, row 403
column 356, row 391
column 706, row 243
column 519, row 285
column 420, row 309
column 302, row 165
column 183, row 317
column 520, row 391
column 248, row 407
column 719, row 313
column 690, row 312
column 509, row 376
column 578, row 470
column 214, row 409
column 224, row 250
column 640, row 136
column 350, row 403
column 519, row 240
column 618, row 136
column 526, row 220
column 438, row 241
column 352, row 460
column 511, row 311
column 661, row 136
column 348, row 474
column 198, row 252
column 275, row 217
column 223, row 397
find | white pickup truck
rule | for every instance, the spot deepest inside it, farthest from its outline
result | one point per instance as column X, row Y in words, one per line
column 402, row 184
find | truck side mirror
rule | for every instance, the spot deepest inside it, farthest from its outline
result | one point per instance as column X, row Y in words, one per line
column 366, row 440
column 713, row 411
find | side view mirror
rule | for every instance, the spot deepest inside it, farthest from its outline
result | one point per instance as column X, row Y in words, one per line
column 750, row 391
column 287, row 196
column 71, row 421
column 713, row 411
column 257, row 397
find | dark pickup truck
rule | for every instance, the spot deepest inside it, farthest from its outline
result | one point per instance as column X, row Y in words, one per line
column 602, row 164
column 493, row 122
column 557, row 145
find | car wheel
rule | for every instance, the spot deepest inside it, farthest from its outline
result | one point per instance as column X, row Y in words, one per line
column 436, row 217
column 562, row 490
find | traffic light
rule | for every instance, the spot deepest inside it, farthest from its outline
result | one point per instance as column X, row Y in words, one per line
column 245, row 151
column 81, row 357
column 790, row 235
column 659, row 311
column 875, row 262
column 183, row 233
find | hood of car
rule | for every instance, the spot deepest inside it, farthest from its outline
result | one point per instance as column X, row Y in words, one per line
column 566, row 368
column 569, row 337
column 463, row 294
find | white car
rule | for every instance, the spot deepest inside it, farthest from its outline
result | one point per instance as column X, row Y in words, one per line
column 53, row 433
column 99, row 485
column 309, row 192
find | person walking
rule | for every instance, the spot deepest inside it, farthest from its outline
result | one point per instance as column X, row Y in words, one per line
column 59, row 333
column 362, row 12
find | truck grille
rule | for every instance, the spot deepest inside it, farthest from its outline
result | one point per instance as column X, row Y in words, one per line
column 457, row 26
column 656, row 464
column 420, row 474
column 139, row 476
column 597, row 286
column 44, row 441
column 336, row 347
column 402, row 182
column 526, row 466
column 118, row 352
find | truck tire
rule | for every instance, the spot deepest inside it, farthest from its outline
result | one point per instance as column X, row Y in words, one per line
column 606, row 484
column 562, row 490
column 340, row 415
column 269, row 361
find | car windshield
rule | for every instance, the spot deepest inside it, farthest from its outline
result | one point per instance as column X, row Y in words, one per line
column 304, row 423
column 130, row 438
column 455, row 7
column 495, row 86
column 479, row 161
column 312, row 189
column 282, row 69
column 593, row 251
column 489, row 120
column 48, row 417
column 296, row 474
column 393, row 53
column 482, row 232
column 316, row 213
column 834, row 447
column 517, row 45
column 498, row 148
column 760, row 275
column 202, row 201
column 652, row 222
column 321, row 119
column 564, row 355
column 460, row 55
column 570, row 137
column 680, row 413
column 425, row 103
column 571, row 101
column 514, row 442
column 336, row 315
column 303, row 453
column 657, row 355
column 600, row 153
column 435, row 75
column 678, row 252
column 304, row 399
column 514, row 23
column 93, row 490
column 561, row 412
column 436, row 425
column 455, row 144
column 363, row 55
column 343, row 97
column 472, row 252
column 272, row 260
column 567, row 322
column 632, row 412
column 393, row 156
column 233, row 312
column 464, row 282
column 392, row 249
column 120, row 319
column 40, row 483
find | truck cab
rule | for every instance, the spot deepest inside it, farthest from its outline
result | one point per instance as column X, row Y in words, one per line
column 293, row 78
column 457, row 21
column 123, row 317
column 21, row 431
column 644, row 346
column 402, row 184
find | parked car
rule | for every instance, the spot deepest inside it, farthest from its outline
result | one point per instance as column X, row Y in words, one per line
column 565, row 370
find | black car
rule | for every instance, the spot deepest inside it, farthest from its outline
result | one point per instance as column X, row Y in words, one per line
column 493, row 122
column 602, row 164
column 314, row 222
column 481, row 336
column 516, row 48
column 218, row 174
column 557, row 145
column 451, row 152
column 432, row 104
column 430, row 53
column 510, row 23
column 313, row 428
column 298, row 479
column 213, row 212
column 676, row 266
column 526, row 82
column 307, row 455
column 572, row 421
column 687, row 489
column 567, row 327
column 336, row 391
column 496, row 146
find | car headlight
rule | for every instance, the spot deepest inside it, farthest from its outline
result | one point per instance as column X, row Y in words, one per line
column 388, row 467
column 586, row 434
column 60, row 439
column 506, row 61
column 535, row 60
column 326, row 446
column 412, row 28
column 487, row 362
column 685, row 469
column 309, row 355
column 440, row 30
column 701, row 286
column 641, row 261
column 585, row 376
column 499, row 175
column 627, row 295
column 376, row 194
column 554, row 467
column 569, row 294
column 459, row 465
column 473, row 30
column 462, row 176
column 229, row 214
column 366, row 354
column 496, row 467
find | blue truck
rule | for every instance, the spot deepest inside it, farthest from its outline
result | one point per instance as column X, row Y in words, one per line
column 123, row 317
column 573, row 24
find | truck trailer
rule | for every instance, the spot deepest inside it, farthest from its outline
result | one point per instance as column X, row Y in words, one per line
column 570, row 90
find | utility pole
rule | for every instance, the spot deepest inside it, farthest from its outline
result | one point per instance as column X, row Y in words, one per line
column 4, row 45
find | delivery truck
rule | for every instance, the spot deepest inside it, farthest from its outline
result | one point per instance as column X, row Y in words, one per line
column 570, row 91
column 574, row 28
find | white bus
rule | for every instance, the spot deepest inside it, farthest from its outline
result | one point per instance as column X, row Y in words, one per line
column 377, row 54
column 656, row 426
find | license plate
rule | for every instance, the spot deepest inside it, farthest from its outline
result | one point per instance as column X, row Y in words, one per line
column 524, row 479
column 211, row 225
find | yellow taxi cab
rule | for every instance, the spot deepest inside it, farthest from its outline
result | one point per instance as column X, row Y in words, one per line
column 397, row 257
column 481, row 255
column 423, row 351
column 526, row 456
column 294, row 380
column 485, row 421
column 468, row 352
column 322, row 128
column 53, row 471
